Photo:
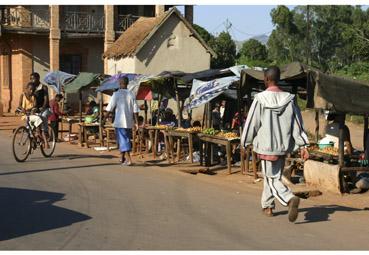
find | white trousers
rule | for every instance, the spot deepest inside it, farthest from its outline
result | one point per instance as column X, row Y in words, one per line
column 273, row 186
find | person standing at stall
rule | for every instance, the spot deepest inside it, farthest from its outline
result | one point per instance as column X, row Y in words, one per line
column 274, row 127
column 55, row 114
column 126, row 109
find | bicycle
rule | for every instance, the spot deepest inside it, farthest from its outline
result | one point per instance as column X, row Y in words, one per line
column 25, row 141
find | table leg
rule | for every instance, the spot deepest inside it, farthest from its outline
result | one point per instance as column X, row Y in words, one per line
column 151, row 137
column 178, row 149
column 85, row 136
column 70, row 131
column 167, row 147
column 247, row 161
column 155, row 143
column 229, row 157
column 190, row 147
column 201, row 152
column 80, row 138
column 242, row 151
column 108, row 138
column 254, row 167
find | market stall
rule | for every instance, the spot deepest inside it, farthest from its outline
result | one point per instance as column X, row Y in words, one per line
column 323, row 92
column 85, row 81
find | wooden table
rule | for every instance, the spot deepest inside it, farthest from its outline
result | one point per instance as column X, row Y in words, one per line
column 221, row 141
column 153, row 136
column 170, row 133
column 70, row 120
column 82, row 136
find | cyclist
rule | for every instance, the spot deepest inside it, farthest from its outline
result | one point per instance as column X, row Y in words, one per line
column 27, row 103
column 42, row 99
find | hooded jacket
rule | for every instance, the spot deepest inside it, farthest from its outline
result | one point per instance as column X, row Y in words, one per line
column 274, row 124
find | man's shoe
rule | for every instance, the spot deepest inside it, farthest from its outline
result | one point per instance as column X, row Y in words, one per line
column 293, row 206
column 268, row 212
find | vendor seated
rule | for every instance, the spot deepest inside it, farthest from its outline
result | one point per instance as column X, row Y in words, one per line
column 332, row 131
column 92, row 113
column 169, row 119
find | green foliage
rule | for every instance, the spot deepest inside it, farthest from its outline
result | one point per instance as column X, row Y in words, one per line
column 338, row 36
column 203, row 33
column 225, row 49
column 253, row 50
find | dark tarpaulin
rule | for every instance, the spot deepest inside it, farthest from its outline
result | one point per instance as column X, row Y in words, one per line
column 81, row 81
column 323, row 91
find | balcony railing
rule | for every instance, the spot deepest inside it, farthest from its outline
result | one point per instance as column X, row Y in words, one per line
column 20, row 17
column 124, row 22
column 82, row 22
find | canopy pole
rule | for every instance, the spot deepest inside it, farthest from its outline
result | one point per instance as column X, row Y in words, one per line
column 204, row 119
column 239, row 106
column 101, row 103
column 80, row 106
column 365, row 142
column 159, row 103
column 178, row 103
column 341, row 142
column 152, row 115
column 316, row 125
column 145, row 121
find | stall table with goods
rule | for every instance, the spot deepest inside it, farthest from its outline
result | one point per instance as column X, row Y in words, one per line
column 187, row 133
column 226, row 139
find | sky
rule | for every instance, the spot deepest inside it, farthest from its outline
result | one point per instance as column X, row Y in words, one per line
column 246, row 20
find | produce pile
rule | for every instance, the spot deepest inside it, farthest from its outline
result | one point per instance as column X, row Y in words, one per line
column 190, row 130
column 221, row 134
column 209, row 131
column 227, row 135
column 327, row 150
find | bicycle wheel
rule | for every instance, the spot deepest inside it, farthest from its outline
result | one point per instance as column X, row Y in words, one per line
column 21, row 144
column 48, row 152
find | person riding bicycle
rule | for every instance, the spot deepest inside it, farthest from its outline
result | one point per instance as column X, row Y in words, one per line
column 42, row 99
column 28, row 104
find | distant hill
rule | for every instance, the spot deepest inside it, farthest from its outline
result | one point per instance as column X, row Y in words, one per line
column 261, row 38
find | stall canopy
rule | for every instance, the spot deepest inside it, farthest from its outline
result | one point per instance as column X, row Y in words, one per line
column 81, row 81
column 205, row 90
column 110, row 84
column 322, row 91
column 58, row 79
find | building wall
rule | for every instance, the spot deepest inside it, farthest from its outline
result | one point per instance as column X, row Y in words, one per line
column 172, row 48
column 125, row 65
column 40, row 55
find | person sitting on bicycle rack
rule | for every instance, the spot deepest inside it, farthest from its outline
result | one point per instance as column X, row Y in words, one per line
column 28, row 105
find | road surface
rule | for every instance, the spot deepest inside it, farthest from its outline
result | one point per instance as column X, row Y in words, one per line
column 83, row 200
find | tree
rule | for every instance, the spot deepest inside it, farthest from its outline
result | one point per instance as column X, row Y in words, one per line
column 225, row 48
column 253, row 50
column 203, row 33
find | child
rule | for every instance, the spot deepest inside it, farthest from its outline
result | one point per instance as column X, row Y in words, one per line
column 55, row 113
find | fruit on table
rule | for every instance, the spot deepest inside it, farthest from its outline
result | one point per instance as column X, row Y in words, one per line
column 228, row 135
column 210, row 131
column 193, row 129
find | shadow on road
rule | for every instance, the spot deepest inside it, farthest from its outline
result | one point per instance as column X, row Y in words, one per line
column 25, row 212
column 321, row 213
column 57, row 168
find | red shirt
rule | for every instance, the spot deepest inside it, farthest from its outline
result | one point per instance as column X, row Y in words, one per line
column 54, row 107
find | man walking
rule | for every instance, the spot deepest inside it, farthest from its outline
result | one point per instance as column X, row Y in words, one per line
column 126, row 115
column 274, row 127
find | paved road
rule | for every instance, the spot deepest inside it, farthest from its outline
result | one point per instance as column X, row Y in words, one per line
column 86, row 201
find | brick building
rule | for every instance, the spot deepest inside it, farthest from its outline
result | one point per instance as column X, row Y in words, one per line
column 41, row 38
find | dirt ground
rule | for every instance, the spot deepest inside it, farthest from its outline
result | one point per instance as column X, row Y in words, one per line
column 8, row 123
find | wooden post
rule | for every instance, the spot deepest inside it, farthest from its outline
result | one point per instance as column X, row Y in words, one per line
column 80, row 106
column 190, row 146
column 145, row 120
column 341, row 142
column 316, row 125
column 178, row 103
column 101, row 127
column 366, row 149
column 229, row 156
